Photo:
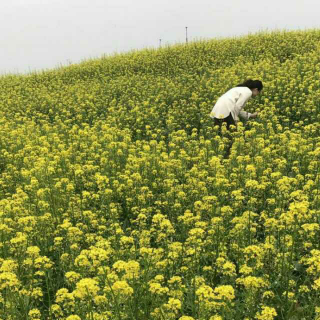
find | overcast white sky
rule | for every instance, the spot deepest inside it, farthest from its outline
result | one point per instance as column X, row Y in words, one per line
column 43, row 34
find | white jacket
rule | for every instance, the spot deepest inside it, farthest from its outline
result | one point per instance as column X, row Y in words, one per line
column 232, row 101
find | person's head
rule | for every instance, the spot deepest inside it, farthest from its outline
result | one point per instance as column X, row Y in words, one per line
column 256, row 86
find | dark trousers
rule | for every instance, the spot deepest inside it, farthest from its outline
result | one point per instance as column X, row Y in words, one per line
column 229, row 121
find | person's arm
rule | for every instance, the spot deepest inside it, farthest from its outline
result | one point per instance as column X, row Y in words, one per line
column 244, row 97
column 245, row 115
column 254, row 115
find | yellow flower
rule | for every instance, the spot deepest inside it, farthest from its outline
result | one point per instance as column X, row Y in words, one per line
column 122, row 288
column 132, row 269
column 156, row 288
column 56, row 310
column 225, row 293
column 267, row 313
column 73, row 317
column 86, row 289
column 9, row 280
column 72, row 277
column 217, row 298
column 228, row 269
column 9, row 266
column 173, row 305
column 64, row 297
column 100, row 300
column 36, row 293
column 34, row 314
column 33, row 252
column 268, row 294
column 252, row 283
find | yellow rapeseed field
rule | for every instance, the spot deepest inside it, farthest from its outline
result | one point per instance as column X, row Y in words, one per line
column 116, row 201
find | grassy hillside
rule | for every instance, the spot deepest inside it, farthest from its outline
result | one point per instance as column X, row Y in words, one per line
column 116, row 202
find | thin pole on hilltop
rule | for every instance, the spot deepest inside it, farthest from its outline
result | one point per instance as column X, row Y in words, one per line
column 186, row 34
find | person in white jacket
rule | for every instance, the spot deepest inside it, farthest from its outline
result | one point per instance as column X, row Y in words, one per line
column 229, row 107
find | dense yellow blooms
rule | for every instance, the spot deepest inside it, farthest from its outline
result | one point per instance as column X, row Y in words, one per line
column 116, row 200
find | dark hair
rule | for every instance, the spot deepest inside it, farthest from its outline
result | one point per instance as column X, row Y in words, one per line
column 252, row 84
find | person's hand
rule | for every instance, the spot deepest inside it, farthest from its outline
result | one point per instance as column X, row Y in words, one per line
column 254, row 115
